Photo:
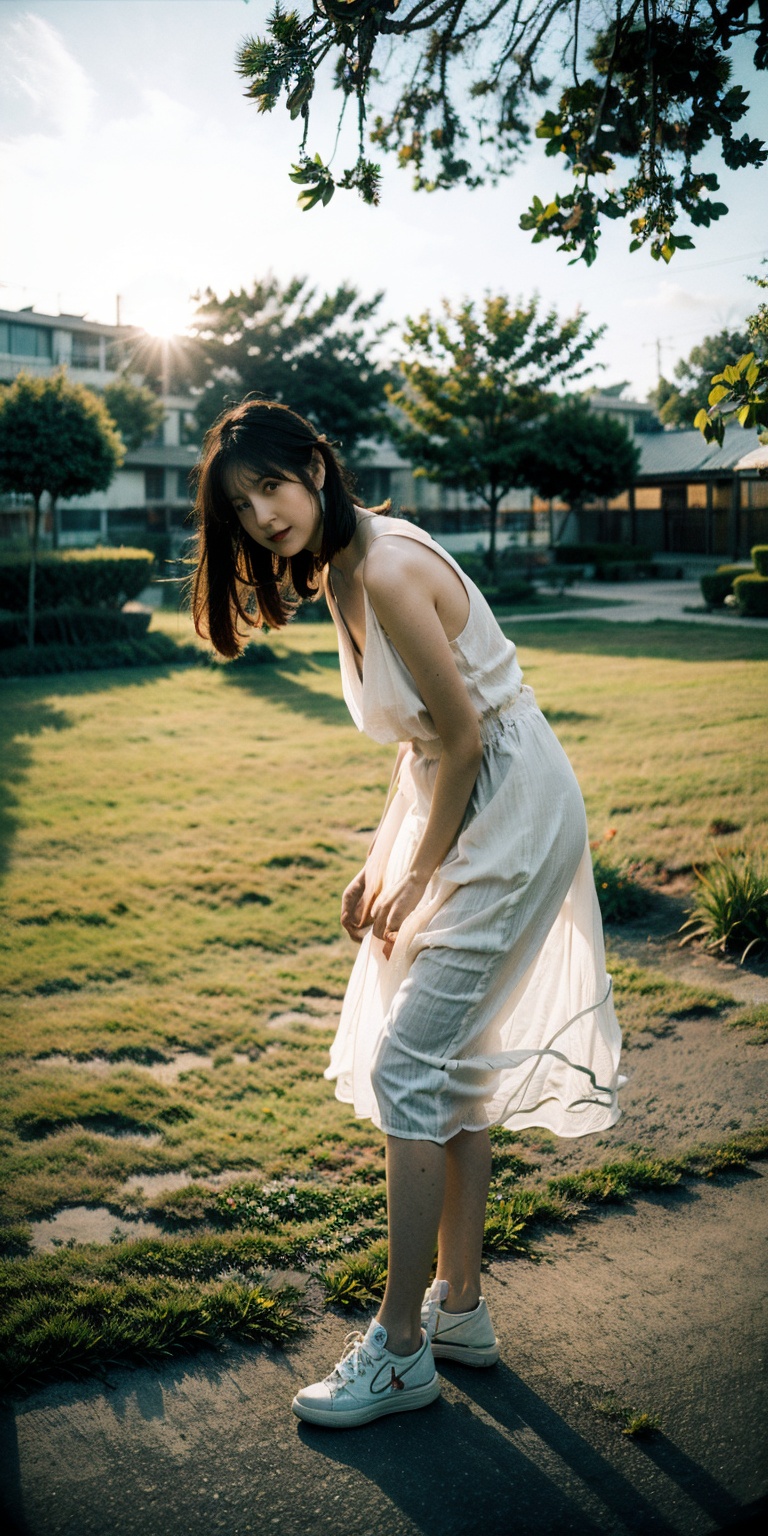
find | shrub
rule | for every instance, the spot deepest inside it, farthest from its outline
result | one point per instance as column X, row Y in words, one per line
column 751, row 593
column 73, row 626
column 620, row 897
column 509, row 591
column 601, row 555
column 716, row 585
column 622, row 570
column 759, row 555
column 731, row 906
column 76, row 578
column 151, row 651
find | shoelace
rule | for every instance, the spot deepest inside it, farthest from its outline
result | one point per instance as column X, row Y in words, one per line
column 354, row 1360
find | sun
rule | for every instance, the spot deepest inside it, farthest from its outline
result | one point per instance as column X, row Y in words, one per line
column 159, row 305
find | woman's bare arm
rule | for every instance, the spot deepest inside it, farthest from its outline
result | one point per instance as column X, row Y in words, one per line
column 403, row 588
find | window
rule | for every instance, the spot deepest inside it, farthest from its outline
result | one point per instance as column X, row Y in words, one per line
column 86, row 351
column 154, row 484
column 182, row 485
column 29, row 340
column 5, row 336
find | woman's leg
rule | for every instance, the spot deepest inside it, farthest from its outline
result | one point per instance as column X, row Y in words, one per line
column 415, row 1197
column 460, row 1243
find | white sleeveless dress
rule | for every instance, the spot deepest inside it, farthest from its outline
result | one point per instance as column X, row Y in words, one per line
column 494, row 1006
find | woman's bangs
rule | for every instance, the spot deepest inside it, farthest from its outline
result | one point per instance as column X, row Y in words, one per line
column 239, row 470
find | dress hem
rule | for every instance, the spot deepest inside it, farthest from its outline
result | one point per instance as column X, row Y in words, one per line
column 524, row 1123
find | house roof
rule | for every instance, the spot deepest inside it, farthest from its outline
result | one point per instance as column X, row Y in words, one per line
column 62, row 322
column 686, row 453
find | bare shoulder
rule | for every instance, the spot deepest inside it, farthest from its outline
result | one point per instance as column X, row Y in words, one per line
column 393, row 556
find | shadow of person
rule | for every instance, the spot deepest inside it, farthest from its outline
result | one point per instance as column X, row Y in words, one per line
column 503, row 1398
column 454, row 1473
column 697, row 1483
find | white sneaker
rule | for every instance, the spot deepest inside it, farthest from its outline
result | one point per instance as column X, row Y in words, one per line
column 370, row 1381
column 467, row 1337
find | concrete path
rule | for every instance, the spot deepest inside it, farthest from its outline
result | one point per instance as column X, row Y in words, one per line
column 641, row 602
column 661, row 1306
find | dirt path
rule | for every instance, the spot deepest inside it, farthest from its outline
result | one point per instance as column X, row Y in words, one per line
column 660, row 1307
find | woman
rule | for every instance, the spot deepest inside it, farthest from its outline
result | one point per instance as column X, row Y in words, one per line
column 479, row 995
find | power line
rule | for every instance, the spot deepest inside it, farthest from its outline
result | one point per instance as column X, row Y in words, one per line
column 724, row 260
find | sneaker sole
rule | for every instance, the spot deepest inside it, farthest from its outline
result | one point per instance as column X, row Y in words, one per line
column 463, row 1355
column 417, row 1397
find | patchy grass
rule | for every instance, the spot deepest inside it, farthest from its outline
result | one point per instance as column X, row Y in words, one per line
column 649, row 1001
column 755, row 1019
column 57, row 1329
column 173, row 845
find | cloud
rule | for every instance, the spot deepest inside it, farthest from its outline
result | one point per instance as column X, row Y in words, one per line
column 670, row 295
column 43, row 89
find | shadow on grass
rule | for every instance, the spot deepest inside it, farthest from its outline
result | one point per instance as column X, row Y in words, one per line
column 20, row 721
column 659, row 639
column 280, row 683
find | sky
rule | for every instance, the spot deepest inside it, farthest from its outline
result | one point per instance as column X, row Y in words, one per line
column 132, row 164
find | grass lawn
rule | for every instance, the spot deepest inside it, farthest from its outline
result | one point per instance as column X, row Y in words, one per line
column 173, row 844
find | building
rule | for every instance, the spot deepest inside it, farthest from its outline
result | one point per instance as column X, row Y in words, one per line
column 149, row 495
column 688, row 499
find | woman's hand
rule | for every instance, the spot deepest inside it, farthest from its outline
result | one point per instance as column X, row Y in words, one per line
column 391, row 908
column 355, row 908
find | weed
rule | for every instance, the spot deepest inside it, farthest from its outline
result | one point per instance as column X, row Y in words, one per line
column 756, row 1019
column 613, row 1183
column 639, row 1424
column 730, row 912
column 357, row 1282
column 139, row 1319
column 621, row 898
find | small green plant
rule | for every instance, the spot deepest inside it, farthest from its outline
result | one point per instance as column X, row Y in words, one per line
column 621, row 898
column 642, row 1425
column 730, row 913
column 639, row 1424
column 357, row 1282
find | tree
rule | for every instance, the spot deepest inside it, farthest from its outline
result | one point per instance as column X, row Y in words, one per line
column 644, row 86
column 740, row 389
column 577, row 454
column 677, row 404
column 316, row 354
column 135, row 410
column 475, row 386
column 58, row 437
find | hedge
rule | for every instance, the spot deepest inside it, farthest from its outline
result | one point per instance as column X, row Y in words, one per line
column 151, row 651
column 760, row 559
column 76, row 578
column 601, row 555
column 73, row 626
column 716, row 586
column 751, row 593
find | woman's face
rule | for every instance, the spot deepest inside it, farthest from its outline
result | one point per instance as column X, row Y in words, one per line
column 281, row 515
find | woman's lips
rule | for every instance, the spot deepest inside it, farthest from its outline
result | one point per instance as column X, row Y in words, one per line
column 277, row 537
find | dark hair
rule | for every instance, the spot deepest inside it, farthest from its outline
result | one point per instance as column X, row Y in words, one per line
column 235, row 578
